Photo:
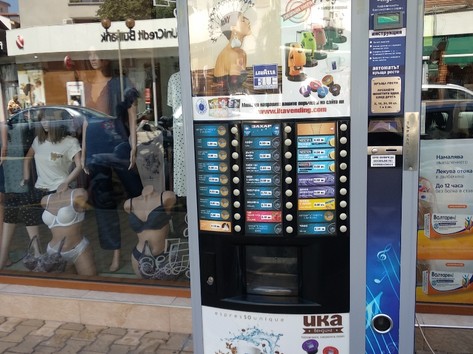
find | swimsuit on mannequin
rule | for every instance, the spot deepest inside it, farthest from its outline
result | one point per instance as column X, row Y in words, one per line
column 149, row 216
column 64, row 214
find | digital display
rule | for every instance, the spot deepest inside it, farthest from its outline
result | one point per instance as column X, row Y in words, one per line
column 389, row 20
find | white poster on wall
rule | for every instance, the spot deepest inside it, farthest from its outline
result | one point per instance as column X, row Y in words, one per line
column 75, row 93
column 31, row 89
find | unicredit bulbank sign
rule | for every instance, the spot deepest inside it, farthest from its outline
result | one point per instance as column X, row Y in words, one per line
column 70, row 38
column 141, row 35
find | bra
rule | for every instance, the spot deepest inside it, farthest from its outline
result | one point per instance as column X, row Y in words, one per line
column 157, row 219
column 66, row 216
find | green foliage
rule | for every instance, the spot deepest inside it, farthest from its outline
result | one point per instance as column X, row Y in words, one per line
column 120, row 10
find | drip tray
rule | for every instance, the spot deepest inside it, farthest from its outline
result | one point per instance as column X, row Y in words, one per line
column 271, row 284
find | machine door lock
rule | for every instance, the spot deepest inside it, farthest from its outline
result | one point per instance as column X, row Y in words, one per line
column 382, row 323
column 210, row 280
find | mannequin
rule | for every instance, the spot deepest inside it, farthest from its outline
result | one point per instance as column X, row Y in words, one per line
column 149, row 216
column 109, row 147
column 23, row 204
column 102, row 87
column 174, row 101
column 64, row 213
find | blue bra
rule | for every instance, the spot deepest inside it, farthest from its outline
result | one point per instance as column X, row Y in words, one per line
column 156, row 220
column 66, row 216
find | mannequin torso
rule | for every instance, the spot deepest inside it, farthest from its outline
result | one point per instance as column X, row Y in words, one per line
column 149, row 216
column 64, row 214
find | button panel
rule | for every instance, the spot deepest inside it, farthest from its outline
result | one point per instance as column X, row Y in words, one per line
column 286, row 178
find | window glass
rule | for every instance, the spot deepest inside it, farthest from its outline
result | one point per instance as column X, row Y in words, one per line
column 93, row 170
column 445, row 246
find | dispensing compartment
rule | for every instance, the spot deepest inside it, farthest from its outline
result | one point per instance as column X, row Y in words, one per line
column 299, row 275
column 272, row 271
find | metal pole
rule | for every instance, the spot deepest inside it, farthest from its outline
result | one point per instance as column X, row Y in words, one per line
column 155, row 92
column 120, row 64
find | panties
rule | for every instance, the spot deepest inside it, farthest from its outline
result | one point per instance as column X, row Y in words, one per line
column 74, row 253
column 152, row 267
column 45, row 262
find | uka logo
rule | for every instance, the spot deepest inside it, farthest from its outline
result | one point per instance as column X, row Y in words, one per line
column 323, row 324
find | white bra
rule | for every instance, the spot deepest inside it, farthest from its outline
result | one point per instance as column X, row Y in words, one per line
column 66, row 216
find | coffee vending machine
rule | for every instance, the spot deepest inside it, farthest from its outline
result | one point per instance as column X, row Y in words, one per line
column 301, row 174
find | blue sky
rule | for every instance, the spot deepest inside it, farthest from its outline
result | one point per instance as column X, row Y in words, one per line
column 14, row 5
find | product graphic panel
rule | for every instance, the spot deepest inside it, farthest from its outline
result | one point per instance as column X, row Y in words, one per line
column 262, row 165
column 261, row 333
column 213, row 176
column 319, row 171
column 280, row 59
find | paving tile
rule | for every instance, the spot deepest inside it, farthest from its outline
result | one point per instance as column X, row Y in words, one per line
column 73, row 326
column 48, row 328
column 28, row 344
column 131, row 338
column 158, row 335
column 18, row 334
column 148, row 345
column 4, row 346
column 445, row 340
column 33, row 323
column 102, row 343
column 120, row 349
column 74, row 346
column 10, row 324
column 89, row 333
column 176, row 341
column 43, row 349
column 115, row 331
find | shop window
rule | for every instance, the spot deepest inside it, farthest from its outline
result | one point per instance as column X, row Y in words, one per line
column 94, row 182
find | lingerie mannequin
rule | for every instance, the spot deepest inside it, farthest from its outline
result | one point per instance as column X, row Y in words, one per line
column 22, row 204
column 64, row 213
column 149, row 215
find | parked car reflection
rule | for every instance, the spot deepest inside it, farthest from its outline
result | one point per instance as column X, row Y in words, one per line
column 447, row 119
column 29, row 118
column 445, row 92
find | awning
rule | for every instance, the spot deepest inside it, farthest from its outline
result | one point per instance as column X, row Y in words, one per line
column 431, row 44
column 459, row 50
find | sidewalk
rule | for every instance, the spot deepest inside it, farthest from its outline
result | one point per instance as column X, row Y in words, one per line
column 35, row 336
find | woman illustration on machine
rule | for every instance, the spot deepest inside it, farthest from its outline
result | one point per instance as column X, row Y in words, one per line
column 149, row 215
column 230, row 66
